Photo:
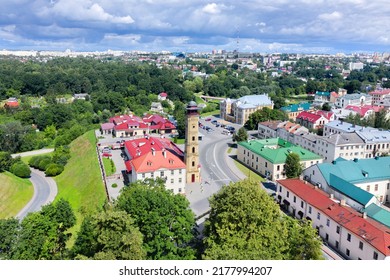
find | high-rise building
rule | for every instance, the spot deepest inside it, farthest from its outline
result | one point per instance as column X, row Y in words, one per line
column 191, row 157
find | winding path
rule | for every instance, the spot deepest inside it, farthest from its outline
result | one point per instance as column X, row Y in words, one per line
column 45, row 188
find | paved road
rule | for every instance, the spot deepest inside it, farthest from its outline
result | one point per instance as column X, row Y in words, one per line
column 45, row 190
column 34, row 153
column 217, row 168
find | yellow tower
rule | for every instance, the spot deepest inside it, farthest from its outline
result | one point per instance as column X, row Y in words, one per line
column 192, row 145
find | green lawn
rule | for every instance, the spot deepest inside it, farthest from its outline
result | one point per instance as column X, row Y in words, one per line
column 15, row 193
column 212, row 113
column 109, row 167
column 249, row 173
column 81, row 182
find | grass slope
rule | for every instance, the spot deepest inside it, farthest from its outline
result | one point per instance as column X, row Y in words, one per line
column 15, row 193
column 81, row 182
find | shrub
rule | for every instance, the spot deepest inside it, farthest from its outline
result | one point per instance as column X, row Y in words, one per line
column 43, row 163
column 21, row 169
column 114, row 185
column 54, row 169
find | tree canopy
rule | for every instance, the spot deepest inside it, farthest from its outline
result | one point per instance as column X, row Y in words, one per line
column 164, row 219
column 293, row 165
column 245, row 223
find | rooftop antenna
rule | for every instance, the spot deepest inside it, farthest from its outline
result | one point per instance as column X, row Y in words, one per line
column 237, row 39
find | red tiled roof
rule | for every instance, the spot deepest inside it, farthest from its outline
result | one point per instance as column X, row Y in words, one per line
column 367, row 229
column 163, row 94
column 362, row 110
column 153, row 161
column 12, row 104
column 326, row 114
column 384, row 91
column 310, row 117
column 106, row 126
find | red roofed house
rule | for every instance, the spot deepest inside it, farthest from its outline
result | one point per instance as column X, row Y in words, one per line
column 162, row 96
column 311, row 120
column 160, row 125
column 363, row 111
column 153, row 157
column 378, row 95
column 354, row 235
column 12, row 102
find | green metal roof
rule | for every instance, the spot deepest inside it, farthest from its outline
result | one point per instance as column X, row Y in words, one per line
column 378, row 213
column 350, row 190
column 358, row 170
column 275, row 150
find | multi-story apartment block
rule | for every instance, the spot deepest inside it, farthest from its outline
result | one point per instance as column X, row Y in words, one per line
column 153, row 157
column 239, row 110
column 379, row 94
column 371, row 175
column 268, row 156
column 358, row 99
column 354, row 235
column 282, row 129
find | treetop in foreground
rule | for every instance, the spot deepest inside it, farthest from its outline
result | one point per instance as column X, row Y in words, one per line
column 245, row 223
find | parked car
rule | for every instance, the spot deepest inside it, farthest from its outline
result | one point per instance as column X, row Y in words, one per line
column 208, row 119
column 214, row 121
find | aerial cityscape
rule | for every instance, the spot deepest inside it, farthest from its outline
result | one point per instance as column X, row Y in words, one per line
column 224, row 132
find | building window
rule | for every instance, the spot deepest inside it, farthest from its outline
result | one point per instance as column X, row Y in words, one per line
column 161, row 174
column 375, row 256
column 327, row 222
column 318, row 216
column 151, row 175
column 376, row 187
column 193, row 138
column 172, row 172
column 337, row 229
column 143, row 175
column 193, row 163
column 180, row 171
column 180, row 180
column 368, row 188
column 349, row 237
column 301, row 204
column 326, row 237
column 265, row 164
column 179, row 190
column 347, row 252
column 280, row 188
column 309, row 209
column 360, row 245
column 193, row 150
column 288, row 194
column 295, row 198
column 172, row 181
column 337, row 245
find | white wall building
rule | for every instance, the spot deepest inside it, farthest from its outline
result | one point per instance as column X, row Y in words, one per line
column 352, row 234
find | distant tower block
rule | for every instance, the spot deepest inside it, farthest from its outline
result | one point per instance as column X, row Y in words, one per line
column 192, row 145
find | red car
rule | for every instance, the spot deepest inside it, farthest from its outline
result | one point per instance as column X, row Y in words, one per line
column 208, row 119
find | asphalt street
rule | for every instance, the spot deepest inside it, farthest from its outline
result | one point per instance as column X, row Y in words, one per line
column 45, row 190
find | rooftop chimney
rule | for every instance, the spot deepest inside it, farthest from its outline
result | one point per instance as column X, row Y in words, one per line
column 342, row 202
column 364, row 215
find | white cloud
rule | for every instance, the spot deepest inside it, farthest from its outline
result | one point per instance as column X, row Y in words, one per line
column 331, row 16
column 212, row 9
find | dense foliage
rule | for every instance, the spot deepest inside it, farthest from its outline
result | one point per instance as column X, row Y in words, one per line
column 246, row 224
column 164, row 219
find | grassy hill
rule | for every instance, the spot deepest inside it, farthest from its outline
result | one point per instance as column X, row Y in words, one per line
column 81, row 182
column 15, row 193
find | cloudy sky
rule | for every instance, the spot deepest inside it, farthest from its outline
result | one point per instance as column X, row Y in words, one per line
column 309, row 26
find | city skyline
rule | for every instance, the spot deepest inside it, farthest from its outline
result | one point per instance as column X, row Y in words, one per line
column 301, row 26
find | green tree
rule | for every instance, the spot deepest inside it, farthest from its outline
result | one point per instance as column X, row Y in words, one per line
column 20, row 169
column 109, row 235
column 43, row 234
column 293, row 165
column 244, row 223
column 8, row 237
column 304, row 242
column 264, row 114
column 241, row 135
column 5, row 161
column 163, row 218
